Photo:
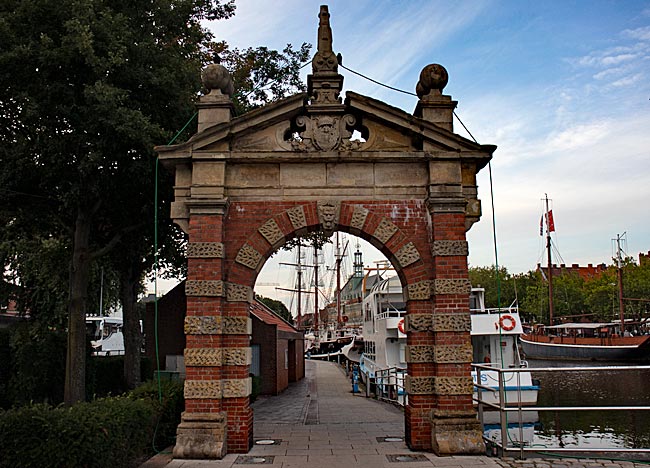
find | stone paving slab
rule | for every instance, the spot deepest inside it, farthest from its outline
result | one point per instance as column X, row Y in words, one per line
column 320, row 424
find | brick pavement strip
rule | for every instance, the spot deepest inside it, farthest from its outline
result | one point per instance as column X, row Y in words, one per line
column 321, row 424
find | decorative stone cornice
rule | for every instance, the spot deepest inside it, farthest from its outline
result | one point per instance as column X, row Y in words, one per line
column 448, row 248
column 208, row 206
column 205, row 250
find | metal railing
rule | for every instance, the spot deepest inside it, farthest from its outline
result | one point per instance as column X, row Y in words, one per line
column 389, row 386
column 506, row 407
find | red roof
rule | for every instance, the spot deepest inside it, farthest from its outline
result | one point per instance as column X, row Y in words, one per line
column 269, row 317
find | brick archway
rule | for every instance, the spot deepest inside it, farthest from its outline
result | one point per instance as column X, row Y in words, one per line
column 245, row 185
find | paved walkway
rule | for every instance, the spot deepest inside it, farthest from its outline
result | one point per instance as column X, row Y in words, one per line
column 319, row 423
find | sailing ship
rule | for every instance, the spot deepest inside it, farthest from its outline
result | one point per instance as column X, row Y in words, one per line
column 584, row 341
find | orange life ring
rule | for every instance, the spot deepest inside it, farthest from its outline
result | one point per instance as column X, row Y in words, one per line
column 510, row 326
column 400, row 326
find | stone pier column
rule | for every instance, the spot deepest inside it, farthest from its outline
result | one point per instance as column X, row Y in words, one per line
column 454, row 427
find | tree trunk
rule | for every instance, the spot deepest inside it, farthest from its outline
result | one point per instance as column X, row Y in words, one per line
column 75, row 368
column 129, row 282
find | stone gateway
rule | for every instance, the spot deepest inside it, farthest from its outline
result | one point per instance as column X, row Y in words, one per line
column 246, row 185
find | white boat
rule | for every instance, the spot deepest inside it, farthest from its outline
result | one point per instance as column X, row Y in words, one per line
column 106, row 336
column 494, row 342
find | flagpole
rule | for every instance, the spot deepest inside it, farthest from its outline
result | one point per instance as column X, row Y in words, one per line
column 551, row 307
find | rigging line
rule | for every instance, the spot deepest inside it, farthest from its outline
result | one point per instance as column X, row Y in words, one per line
column 377, row 82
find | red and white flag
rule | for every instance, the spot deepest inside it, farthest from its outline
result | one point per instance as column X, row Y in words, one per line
column 550, row 222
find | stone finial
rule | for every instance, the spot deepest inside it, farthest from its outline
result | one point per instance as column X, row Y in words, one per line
column 325, row 59
column 215, row 77
column 433, row 79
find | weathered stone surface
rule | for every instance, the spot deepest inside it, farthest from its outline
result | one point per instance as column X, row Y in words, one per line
column 249, row 257
column 418, row 322
column 204, row 288
column 200, row 389
column 201, row 436
column 216, row 389
column 237, row 326
column 359, row 215
column 420, row 385
column 447, row 248
column 452, row 322
column 271, row 232
column 453, row 385
column 238, row 293
column 420, row 291
column 453, row 436
column 407, row 255
column 297, row 217
column 420, row 353
column 203, row 357
column 203, row 325
column 328, row 214
column 385, row 230
column 205, row 250
column 451, row 286
column 453, row 353
column 215, row 357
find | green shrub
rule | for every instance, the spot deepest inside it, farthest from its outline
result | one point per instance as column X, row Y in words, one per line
column 169, row 410
column 5, row 367
column 113, row 432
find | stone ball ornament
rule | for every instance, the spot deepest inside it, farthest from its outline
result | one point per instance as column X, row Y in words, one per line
column 217, row 77
column 433, row 77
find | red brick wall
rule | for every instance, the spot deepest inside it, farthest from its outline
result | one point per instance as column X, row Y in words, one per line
column 415, row 225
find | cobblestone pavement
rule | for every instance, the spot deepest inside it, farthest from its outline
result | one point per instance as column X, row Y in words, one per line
column 319, row 423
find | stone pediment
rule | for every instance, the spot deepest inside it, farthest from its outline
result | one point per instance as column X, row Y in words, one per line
column 287, row 128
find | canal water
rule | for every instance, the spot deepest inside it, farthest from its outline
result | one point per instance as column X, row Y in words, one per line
column 589, row 429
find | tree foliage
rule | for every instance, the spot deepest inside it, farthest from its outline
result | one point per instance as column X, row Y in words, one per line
column 276, row 306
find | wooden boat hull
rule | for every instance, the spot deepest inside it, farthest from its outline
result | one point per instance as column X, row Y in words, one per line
column 636, row 348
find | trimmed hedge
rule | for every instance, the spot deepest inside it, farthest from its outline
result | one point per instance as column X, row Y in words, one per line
column 106, row 433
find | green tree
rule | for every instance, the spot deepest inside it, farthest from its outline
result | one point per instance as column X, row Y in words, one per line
column 276, row 306
column 87, row 88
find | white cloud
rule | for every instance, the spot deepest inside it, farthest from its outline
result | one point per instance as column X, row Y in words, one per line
column 642, row 34
column 627, row 81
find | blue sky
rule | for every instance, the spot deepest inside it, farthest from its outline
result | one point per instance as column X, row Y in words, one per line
column 561, row 87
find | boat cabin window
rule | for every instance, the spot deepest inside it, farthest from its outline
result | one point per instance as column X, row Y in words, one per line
column 93, row 329
column 110, row 328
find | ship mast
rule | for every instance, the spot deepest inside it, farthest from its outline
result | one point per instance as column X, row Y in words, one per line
column 316, row 312
column 551, row 307
column 619, row 279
